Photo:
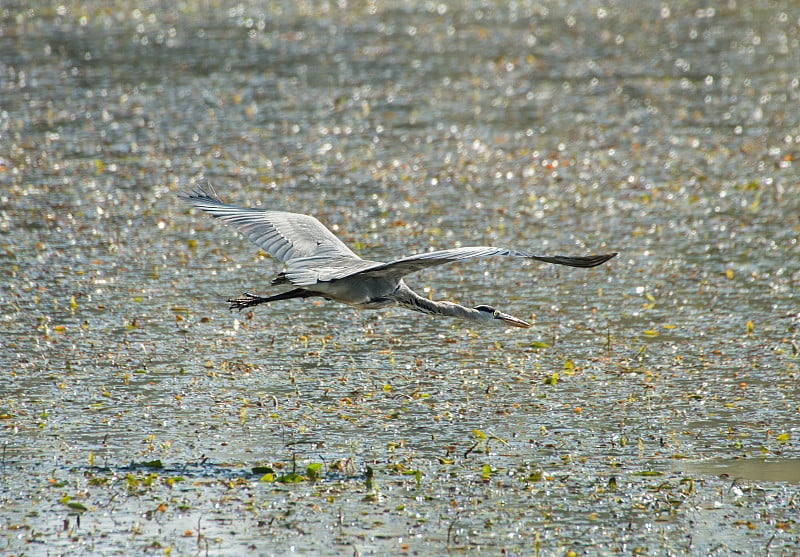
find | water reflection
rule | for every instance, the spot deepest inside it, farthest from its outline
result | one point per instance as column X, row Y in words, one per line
column 757, row 470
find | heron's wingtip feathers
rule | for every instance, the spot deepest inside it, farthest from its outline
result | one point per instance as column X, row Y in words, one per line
column 577, row 261
column 204, row 192
column 600, row 259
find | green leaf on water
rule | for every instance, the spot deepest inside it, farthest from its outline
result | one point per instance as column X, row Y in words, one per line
column 261, row 470
column 535, row 476
column 292, row 478
column 312, row 470
column 370, row 479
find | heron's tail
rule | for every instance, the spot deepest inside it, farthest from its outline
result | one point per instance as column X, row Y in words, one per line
column 575, row 261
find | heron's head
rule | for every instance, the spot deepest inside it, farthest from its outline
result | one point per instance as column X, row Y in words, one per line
column 496, row 317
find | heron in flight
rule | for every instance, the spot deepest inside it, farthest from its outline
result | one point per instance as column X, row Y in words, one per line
column 317, row 263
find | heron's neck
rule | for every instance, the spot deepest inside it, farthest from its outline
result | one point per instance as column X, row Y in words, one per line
column 409, row 299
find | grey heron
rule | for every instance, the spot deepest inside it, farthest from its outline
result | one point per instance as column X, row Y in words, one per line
column 317, row 263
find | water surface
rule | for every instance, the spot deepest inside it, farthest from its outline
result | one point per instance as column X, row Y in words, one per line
column 139, row 415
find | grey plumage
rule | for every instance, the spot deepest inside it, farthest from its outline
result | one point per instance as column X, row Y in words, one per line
column 317, row 263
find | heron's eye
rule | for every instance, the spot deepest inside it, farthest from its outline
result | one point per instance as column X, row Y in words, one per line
column 496, row 314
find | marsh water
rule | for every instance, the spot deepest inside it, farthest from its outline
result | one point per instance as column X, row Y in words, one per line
column 653, row 409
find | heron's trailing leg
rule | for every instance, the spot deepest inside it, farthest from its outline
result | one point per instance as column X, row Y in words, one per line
column 247, row 300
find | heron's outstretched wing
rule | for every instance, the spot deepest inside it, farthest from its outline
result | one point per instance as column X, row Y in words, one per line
column 312, row 253
column 285, row 236
column 414, row 263
column 310, row 270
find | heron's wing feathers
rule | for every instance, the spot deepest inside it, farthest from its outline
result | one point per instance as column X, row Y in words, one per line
column 285, row 236
column 307, row 271
column 414, row 263
column 313, row 254
column 310, row 270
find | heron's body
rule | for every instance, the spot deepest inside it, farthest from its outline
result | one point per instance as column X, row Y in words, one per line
column 369, row 293
column 320, row 264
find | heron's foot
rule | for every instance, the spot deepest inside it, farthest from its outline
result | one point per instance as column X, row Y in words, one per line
column 246, row 300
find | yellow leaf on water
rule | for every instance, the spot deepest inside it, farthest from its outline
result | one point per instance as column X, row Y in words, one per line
column 551, row 380
column 729, row 274
column 650, row 333
column 750, row 327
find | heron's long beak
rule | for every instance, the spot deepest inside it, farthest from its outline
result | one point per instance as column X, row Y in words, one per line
column 511, row 320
